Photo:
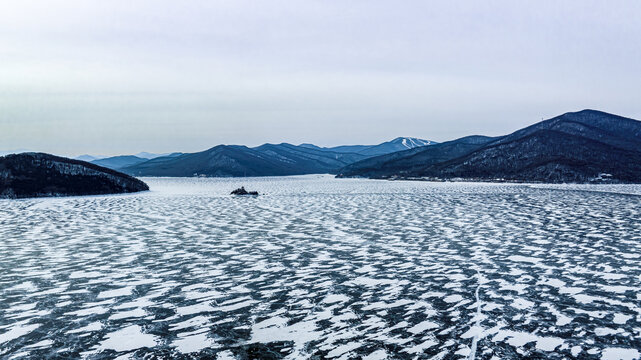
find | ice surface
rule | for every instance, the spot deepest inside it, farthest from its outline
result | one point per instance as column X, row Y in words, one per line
column 16, row 332
column 326, row 268
column 127, row 339
column 620, row 354
column 190, row 343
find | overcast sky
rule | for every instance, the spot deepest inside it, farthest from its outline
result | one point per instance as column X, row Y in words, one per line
column 114, row 77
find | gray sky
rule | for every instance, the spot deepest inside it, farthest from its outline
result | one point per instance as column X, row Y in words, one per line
column 112, row 77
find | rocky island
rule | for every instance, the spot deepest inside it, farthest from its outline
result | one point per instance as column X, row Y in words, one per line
column 241, row 191
column 39, row 175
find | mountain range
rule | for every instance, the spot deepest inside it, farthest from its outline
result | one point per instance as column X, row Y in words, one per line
column 398, row 144
column 582, row 146
column 264, row 160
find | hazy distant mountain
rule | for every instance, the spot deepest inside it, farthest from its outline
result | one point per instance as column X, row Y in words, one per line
column 236, row 160
column 398, row 144
column 583, row 146
column 143, row 155
column 149, row 156
column 340, row 149
column 39, row 174
column 88, row 158
column 119, row 162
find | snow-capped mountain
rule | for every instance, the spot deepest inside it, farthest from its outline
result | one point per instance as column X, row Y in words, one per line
column 398, row 144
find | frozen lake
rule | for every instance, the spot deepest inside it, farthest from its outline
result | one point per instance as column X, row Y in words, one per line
column 325, row 268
